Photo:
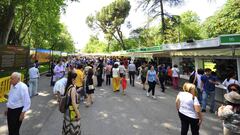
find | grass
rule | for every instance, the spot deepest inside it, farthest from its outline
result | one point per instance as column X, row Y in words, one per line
column 42, row 68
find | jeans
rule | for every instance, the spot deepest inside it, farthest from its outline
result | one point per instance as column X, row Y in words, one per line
column 99, row 80
column 132, row 77
column 33, row 86
column 186, row 121
column 152, row 87
column 162, row 79
column 108, row 79
column 211, row 95
column 199, row 96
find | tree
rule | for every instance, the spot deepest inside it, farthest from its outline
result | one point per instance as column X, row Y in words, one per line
column 94, row 45
column 18, row 17
column 190, row 26
column 110, row 19
column 178, row 29
column 224, row 21
column 156, row 8
column 7, row 13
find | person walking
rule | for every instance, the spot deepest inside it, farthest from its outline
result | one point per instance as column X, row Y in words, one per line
column 131, row 72
column 162, row 75
column 18, row 104
column 89, row 87
column 108, row 72
column 230, row 114
column 53, row 64
column 124, row 84
column 208, row 86
column 71, row 122
column 80, row 80
column 122, row 69
column 199, row 74
column 152, row 78
column 33, row 80
column 59, row 88
column 231, row 79
column 116, row 78
column 175, row 76
column 189, row 109
column 144, row 71
column 169, row 76
column 59, row 71
column 99, row 72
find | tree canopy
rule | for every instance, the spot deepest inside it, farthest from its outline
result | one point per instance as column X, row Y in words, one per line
column 224, row 21
column 33, row 22
column 109, row 20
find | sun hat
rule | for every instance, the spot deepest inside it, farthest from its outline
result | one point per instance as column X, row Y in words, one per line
column 232, row 97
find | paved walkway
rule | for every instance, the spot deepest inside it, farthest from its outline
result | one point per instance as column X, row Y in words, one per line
column 111, row 114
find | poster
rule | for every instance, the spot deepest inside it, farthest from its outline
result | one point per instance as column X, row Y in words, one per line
column 13, row 57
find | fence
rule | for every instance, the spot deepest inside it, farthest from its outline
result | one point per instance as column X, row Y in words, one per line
column 5, row 87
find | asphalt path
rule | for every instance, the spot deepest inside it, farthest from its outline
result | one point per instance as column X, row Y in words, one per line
column 111, row 114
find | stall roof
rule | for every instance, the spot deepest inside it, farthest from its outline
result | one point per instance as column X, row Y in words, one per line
column 224, row 52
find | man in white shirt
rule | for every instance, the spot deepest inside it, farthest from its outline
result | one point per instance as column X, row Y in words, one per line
column 132, row 72
column 18, row 103
column 33, row 80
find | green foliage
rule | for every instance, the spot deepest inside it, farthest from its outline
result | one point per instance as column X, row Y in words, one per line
column 190, row 26
column 225, row 21
column 109, row 20
column 38, row 23
column 94, row 45
column 178, row 28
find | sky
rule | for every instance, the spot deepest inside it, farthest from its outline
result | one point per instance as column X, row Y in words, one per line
column 76, row 13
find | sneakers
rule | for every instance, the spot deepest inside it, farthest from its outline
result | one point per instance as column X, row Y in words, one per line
column 147, row 94
column 154, row 97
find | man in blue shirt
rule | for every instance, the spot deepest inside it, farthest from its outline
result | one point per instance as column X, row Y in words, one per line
column 208, row 89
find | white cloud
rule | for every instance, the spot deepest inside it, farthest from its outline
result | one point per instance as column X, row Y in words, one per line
column 76, row 14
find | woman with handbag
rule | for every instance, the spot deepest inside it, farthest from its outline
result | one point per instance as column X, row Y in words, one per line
column 71, row 122
column 89, row 87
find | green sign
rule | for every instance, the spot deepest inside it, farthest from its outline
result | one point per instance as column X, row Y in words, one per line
column 147, row 49
column 230, row 39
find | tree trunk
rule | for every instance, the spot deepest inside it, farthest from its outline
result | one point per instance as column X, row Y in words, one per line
column 162, row 18
column 121, row 38
column 6, row 24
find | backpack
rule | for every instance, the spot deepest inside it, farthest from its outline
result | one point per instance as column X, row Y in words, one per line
column 192, row 77
column 64, row 101
column 161, row 73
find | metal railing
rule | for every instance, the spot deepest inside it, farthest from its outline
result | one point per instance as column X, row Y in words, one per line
column 5, row 87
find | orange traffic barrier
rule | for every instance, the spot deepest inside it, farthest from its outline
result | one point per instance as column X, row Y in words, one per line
column 5, row 87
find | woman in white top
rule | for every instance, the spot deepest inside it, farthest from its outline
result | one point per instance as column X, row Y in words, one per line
column 116, row 78
column 175, row 76
column 230, row 80
column 189, row 109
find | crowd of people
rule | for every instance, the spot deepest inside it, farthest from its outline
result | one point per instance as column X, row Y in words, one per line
column 74, row 78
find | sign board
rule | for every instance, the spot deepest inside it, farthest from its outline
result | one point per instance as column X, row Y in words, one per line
column 42, row 55
column 199, row 44
column 147, row 49
column 233, row 39
column 13, row 57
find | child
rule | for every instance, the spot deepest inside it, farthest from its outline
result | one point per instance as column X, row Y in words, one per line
column 124, row 83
